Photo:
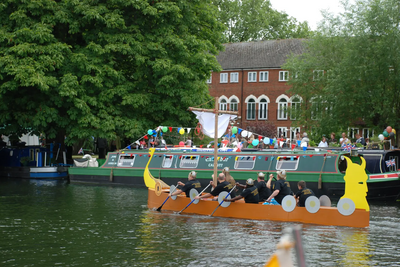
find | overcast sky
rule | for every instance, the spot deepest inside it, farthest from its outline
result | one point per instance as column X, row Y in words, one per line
column 309, row 10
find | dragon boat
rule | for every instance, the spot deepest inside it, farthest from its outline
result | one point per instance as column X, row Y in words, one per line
column 352, row 209
column 322, row 170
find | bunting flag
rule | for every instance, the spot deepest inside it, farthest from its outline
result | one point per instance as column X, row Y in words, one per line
column 80, row 151
column 170, row 129
column 272, row 158
column 391, row 162
column 266, row 158
column 239, row 130
column 249, row 134
column 188, row 130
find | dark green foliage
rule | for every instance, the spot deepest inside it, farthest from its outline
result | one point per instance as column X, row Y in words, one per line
column 251, row 20
column 104, row 68
column 359, row 53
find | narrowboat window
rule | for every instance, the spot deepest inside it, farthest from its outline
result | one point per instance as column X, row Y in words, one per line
column 245, row 162
column 167, row 161
column 126, row 160
column 342, row 165
column 189, row 161
column 37, row 150
column 32, row 154
column 287, row 163
column 392, row 163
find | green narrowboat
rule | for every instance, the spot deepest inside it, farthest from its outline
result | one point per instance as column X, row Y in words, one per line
column 322, row 170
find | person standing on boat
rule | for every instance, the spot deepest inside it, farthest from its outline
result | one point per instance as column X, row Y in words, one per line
column 102, row 146
column 222, row 186
column 303, row 194
column 323, row 143
column 344, row 139
column 250, row 193
column 192, row 183
column 360, row 139
column 333, row 138
column 281, row 187
column 304, row 140
column 189, row 142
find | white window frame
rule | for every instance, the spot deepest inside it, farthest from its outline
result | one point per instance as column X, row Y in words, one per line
column 294, row 107
column 352, row 132
column 223, row 104
column 293, row 131
column 315, row 110
column 126, row 160
column 283, row 131
column 209, row 80
column 223, row 78
column 234, row 77
column 189, row 161
column 251, row 109
column 283, row 76
column 233, row 106
column 252, row 77
column 369, row 133
column 282, row 109
column 287, row 163
column 318, row 75
column 263, row 106
column 247, row 161
column 264, row 76
column 167, row 161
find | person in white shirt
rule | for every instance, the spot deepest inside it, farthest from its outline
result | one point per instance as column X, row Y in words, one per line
column 323, row 143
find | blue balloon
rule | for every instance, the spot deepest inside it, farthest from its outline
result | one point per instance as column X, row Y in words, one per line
column 266, row 140
column 150, row 132
column 255, row 142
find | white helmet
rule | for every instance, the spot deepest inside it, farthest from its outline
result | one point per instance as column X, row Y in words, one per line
column 250, row 182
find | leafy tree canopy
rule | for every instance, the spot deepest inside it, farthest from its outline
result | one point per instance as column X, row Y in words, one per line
column 249, row 20
column 350, row 71
column 104, row 67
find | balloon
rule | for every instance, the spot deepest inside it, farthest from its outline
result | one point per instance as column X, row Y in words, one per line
column 385, row 133
column 389, row 129
column 255, row 142
column 181, row 131
column 234, row 130
column 150, row 132
column 266, row 140
column 244, row 133
column 164, row 129
column 274, row 141
column 381, row 137
column 181, row 143
column 391, row 134
column 394, row 131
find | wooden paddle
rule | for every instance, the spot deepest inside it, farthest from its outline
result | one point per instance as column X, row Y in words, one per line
column 223, row 200
column 194, row 199
column 320, row 174
column 159, row 208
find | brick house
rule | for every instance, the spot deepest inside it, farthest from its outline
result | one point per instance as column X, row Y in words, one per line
column 254, row 84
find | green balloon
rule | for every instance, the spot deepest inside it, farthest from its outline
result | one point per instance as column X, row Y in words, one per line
column 234, row 130
column 164, row 129
column 385, row 133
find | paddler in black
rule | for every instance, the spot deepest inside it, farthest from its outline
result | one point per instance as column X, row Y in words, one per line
column 281, row 189
column 192, row 183
column 303, row 194
column 263, row 191
column 221, row 186
column 250, row 193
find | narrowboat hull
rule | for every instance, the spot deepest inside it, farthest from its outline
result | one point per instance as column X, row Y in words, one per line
column 322, row 171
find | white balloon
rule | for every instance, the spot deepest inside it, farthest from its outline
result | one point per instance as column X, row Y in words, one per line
column 381, row 137
column 266, row 140
column 244, row 133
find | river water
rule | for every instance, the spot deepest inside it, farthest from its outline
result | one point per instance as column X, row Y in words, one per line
column 50, row 223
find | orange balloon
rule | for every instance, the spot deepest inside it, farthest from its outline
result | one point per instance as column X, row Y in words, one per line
column 389, row 129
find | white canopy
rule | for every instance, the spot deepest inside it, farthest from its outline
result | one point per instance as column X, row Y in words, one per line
column 207, row 120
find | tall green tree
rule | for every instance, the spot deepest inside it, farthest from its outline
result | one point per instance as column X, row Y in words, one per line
column 350, row 72
column 249, row 20
column 104, row 67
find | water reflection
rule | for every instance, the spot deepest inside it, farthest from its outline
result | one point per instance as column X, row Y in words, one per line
column 77, row 225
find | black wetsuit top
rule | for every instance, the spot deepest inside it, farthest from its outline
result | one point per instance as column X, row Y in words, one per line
column 250, row 195
column 224, row 186
column 191, row 184
column 304, row 194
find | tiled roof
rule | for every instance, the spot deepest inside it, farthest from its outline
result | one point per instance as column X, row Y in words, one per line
column 261, row 54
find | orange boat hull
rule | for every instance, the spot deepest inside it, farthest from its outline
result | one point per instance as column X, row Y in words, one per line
column 241, row 210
